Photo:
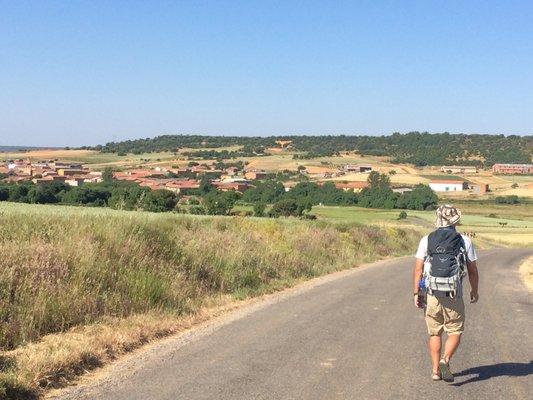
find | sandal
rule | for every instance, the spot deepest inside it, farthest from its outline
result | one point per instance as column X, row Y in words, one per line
column 445, row 372
column 435, row 376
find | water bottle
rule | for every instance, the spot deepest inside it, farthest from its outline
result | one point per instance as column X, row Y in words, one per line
column 422, row 293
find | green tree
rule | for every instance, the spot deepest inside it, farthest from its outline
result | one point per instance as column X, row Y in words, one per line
column 93, row 195
column 19, row 192
column 259, row 209
column 285, row 208
column 107, row 174
column 206, row 186
column 420, row 198
column 219, row 203
column 159, row 201
column 379, row 193
column 4, row 193
column 267, row 192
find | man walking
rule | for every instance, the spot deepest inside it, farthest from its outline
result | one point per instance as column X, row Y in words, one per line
column 440, row 266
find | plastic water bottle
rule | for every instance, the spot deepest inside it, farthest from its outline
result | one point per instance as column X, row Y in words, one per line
column 422, row 293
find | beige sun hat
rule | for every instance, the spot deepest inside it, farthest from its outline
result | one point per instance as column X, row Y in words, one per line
column 447, row 215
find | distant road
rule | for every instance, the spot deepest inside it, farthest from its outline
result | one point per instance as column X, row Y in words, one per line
column 356, row 337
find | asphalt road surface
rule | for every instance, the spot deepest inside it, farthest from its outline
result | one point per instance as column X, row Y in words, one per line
column 356, row 337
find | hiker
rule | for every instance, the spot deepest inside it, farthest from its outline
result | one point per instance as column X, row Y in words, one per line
column 441, row 260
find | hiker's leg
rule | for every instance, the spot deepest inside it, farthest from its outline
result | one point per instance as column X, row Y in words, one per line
column 452, row 343
column 434, row 346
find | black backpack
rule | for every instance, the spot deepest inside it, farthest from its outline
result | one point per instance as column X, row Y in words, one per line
column 447, row 253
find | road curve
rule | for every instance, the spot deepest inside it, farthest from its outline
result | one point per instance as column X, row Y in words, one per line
column 356, row 337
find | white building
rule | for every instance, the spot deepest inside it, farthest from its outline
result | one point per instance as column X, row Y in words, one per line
column 446, row 186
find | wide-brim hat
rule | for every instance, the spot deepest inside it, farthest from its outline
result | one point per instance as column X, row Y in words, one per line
column 447, row 215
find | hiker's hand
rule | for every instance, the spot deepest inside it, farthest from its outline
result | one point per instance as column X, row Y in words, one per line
column 474, row 297
column 417, row 303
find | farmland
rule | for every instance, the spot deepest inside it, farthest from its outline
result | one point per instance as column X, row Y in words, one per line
column 507, row 225
column 276, row 160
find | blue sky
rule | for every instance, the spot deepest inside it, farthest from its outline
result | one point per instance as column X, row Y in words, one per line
column 88, row 72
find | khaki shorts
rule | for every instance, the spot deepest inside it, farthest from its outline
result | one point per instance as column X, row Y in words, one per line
column 445, row 313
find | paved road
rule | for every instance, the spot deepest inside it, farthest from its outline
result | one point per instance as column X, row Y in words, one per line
column 357, row 337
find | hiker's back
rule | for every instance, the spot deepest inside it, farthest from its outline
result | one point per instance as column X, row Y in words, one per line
column 445, row 249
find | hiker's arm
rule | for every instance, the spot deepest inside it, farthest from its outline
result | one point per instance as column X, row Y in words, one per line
column 417, row 275
column 473, row 277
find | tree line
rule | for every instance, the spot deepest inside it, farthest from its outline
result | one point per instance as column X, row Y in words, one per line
column 113, row 194
column 207, row 199
column 419, row 148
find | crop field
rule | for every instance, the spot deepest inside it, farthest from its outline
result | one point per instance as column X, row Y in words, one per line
column 513, row 228
column 91, row 158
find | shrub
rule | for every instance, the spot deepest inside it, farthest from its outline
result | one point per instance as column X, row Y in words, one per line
column 285, row 208
column 159, row 201
column 403, row 215
column 513, row 199
column 259, row 209
column 197, row 210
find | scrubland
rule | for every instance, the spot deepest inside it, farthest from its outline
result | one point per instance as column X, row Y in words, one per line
column 80, row 285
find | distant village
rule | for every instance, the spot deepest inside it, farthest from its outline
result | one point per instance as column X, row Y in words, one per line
column 230, row 178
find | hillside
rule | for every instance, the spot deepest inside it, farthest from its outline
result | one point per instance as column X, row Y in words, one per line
column 416, row 148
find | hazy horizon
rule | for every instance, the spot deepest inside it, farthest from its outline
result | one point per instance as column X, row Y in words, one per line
column 87, row 73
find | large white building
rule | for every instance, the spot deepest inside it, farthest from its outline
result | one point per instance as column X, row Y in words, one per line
column 446, row 186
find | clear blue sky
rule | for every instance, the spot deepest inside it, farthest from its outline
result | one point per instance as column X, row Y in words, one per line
column 87, row 72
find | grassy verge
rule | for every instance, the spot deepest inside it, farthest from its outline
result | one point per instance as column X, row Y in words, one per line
column 80, row 286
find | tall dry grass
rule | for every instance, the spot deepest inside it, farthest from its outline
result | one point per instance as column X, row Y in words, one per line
column 63, row 267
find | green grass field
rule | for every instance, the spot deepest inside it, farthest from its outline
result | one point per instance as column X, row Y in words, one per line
column 444, row 177
column 517, row 229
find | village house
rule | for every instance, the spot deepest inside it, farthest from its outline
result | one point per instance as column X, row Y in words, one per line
column 458, row 169
column 178, row 186
column 288, row 185
column 481, row 188
column 71, row 171
column 402, row 189
column 447, row 185
column 75, row 181
column 512, row 168
column 357, row 168
column 355, row 186
column 231, row 171
column 236, row 186
column 255, row 174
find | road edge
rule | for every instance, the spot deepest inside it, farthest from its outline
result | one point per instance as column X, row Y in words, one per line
column 130, row 362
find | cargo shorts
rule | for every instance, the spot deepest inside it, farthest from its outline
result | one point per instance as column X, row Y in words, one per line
column 444, row 314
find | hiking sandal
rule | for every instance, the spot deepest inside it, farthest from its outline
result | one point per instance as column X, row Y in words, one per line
column 445, row 372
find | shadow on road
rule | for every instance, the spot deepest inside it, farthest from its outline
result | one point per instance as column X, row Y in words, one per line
column 485, row 372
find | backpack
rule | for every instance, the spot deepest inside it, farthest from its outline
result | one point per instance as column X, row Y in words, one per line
column 446, row 262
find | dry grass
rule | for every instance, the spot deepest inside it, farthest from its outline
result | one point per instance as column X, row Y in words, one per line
column 48, row 154
column 80, row 285
column 526, row 270
column 511, row 239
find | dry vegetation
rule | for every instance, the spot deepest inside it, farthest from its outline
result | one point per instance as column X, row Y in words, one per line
column 107, row 281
